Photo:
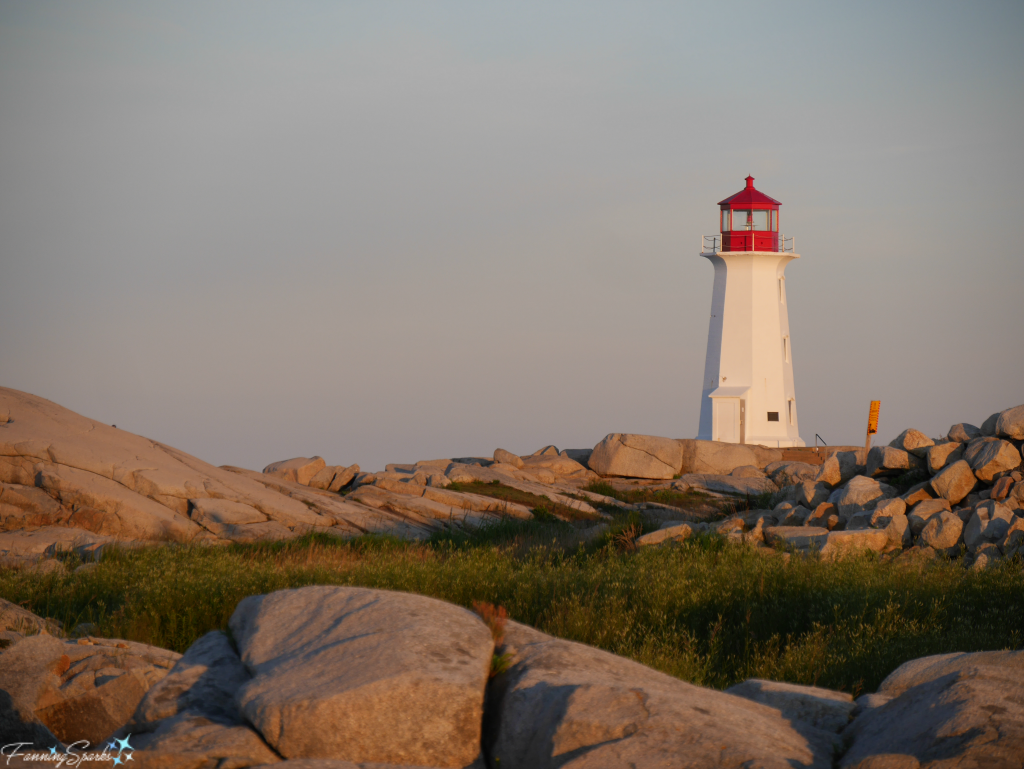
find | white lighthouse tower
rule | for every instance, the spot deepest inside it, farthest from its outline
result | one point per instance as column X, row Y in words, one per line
column 748, row 394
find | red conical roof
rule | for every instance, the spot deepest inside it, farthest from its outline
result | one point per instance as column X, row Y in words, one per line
column 748, row 195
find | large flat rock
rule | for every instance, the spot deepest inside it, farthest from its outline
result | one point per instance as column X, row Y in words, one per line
column 364, row 675
column 567, row 705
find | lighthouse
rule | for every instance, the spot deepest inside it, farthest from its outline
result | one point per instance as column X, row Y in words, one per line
column 748, row 394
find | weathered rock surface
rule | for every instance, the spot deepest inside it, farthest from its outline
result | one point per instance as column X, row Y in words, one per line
column 912, row 441
column 1010, row 424
column 334, row 477
column 299, row 470
column 922, row 512
column 672, row 532
column 508, row 458
column 988, row 427
column 860, row 493
column 991, row 458
column 943, row 455
column 841, row 544
column 961, row 710
column 830, row 472
column 888, row 516
column 191, row 719
column 802, row 538
column 563, row 704
column 68, row 691
column 810, row 494
column 918, row 493
column 943, row 532
column 989, row 524
column 727, row 484
column 955, row 482
column 364, row 675
column 716, row 458
column 637, row 456
column 963, row 432
column 786, row 473
column 822, row 708
column 886, row 460
column 18, row 621
column 558, row 465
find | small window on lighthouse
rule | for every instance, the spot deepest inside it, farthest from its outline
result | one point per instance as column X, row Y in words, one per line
column 785, row 346
column 782, row 290
column 791, row 408
column 773, row 416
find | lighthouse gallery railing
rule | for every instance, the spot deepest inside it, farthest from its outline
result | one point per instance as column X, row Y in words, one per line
column 712, row 244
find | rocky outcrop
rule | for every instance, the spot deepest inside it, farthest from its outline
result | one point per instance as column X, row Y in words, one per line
column 70, row 483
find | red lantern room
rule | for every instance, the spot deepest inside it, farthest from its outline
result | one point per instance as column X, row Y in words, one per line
column 750, row 221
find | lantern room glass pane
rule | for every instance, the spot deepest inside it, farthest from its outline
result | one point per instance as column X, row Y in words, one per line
column 741, row 220
column 775, row 221
column 760, row 220
column 725, row 220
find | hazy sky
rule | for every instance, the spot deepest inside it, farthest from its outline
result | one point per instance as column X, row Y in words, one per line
column 386, row 231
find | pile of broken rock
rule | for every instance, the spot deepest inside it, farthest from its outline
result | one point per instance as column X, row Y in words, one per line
column 969, row 501
column 349, row 677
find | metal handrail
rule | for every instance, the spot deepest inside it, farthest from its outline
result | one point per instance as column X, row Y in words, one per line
column 710, row 244
column 715, row 246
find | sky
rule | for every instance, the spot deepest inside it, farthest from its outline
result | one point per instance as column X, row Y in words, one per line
column 386, row 232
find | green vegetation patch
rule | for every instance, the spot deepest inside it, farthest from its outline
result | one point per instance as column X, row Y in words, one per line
column 707, row 611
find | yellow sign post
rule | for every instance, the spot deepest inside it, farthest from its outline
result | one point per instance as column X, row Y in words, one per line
column 872, row 427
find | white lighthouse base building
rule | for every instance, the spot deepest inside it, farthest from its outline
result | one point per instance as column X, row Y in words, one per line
column 748, row 394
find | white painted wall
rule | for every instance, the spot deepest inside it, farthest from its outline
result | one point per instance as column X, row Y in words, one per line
column 749, row 359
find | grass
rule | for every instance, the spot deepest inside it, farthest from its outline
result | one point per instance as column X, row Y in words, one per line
column 707, row 611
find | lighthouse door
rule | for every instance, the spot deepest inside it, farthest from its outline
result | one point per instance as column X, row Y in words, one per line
column 727, row 420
